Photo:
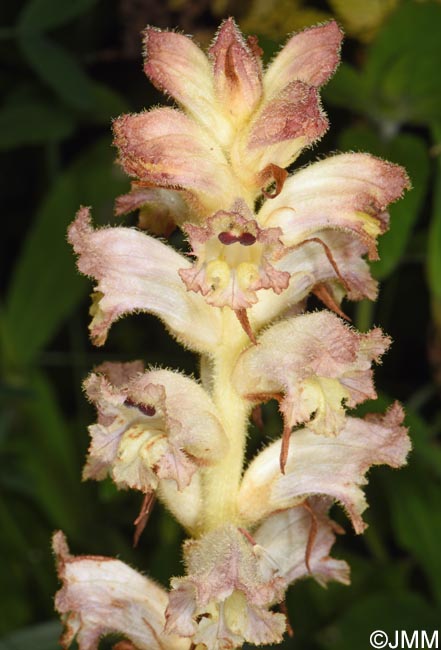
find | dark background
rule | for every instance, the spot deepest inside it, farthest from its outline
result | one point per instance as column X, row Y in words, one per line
column 68, row 67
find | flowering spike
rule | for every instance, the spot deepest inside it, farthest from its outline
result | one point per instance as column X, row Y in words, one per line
column 204, row 166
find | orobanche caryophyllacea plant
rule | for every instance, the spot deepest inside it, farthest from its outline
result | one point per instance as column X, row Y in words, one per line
column 240, row 302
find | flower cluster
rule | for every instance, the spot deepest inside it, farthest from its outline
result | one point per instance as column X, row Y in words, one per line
column 261, row 242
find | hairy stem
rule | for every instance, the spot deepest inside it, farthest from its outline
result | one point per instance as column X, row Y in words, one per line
column 221, row 482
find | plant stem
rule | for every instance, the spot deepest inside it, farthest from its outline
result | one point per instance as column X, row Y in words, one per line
column 221, row 482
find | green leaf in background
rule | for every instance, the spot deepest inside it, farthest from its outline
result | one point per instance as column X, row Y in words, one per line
column 44, row 636
column 347, row 89
column 59, row 70
column 414, row 498
column 362, row 18
column 434, row 249
column 107, row 104
column 33, row 123
column 403, row 66
column 45, row 285
column 39, row 15
column 411, row 152
column 49, row 458
column 382, row 611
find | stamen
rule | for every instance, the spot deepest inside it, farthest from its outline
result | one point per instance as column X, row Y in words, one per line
column 124, row 645
column 257, row 418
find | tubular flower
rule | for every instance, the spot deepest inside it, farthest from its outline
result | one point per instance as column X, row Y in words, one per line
column 234, row 578
column 317, row 363
column 334, row 467
column 151, row 425
column 204, row 167
column 101, row 596
column 234, row 259
column 224, row 599
column 136, row 272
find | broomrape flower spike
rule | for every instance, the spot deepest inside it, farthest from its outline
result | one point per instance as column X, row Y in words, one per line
column 239, row 300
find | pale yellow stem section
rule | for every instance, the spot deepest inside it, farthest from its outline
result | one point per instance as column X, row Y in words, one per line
column 221, row 482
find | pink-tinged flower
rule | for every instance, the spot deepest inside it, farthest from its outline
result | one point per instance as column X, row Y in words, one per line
column 224, row 600
column 347, row 193
column 240, row 127
column 135, row 272
column 234, row 259
column 316, row 465
column 160, row 210
column 309, row 269
column 234, row 578
column 165, row 148
column 152, row 426
column 298, row 542
column 317, row 363
column 102, row 596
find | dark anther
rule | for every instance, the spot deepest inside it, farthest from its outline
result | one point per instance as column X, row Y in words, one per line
column 227, row 238
column 245, row 239
column 146, row 409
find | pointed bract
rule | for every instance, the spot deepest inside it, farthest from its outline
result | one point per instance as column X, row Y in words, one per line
column 285, row 125
column 178, row 67
column 310, row 56
column 160, row 210
column 237, row 72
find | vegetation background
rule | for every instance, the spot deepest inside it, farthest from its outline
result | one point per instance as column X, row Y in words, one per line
column 68, row 67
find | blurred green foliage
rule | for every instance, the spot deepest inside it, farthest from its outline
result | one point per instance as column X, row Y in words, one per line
column 68, row 68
